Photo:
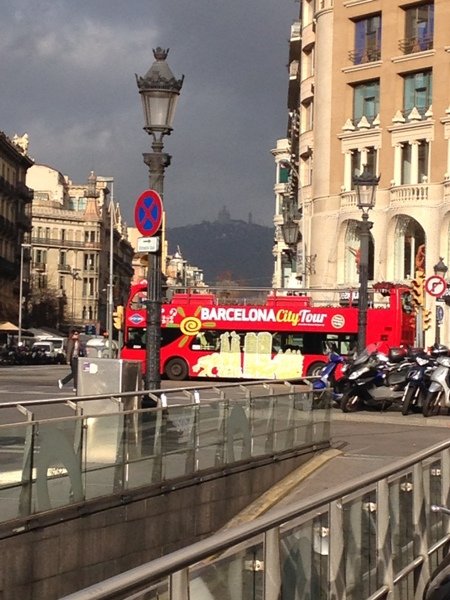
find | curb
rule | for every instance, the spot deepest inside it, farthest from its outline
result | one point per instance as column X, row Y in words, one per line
column 281, row 489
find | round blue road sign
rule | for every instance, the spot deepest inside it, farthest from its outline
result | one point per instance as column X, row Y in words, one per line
column 148, row 213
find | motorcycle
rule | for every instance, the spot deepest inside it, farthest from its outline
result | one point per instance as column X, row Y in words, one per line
column 368, row 382
column 418, row 382
column 439, row 389
column 327, row 378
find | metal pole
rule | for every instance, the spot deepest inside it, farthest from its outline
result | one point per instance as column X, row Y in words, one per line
column 363, row 280
column 109, row 325
column 19, row 336
column 156, row 161
column 437, row 337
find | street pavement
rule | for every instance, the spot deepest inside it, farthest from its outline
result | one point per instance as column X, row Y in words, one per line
column 361, row 443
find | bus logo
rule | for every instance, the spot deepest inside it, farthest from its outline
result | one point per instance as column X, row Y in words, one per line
column 338, row 321
column 136, row 319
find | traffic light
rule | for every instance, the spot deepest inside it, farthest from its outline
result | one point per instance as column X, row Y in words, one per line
column 417, row 289
column 118, row 317
column 426, row 319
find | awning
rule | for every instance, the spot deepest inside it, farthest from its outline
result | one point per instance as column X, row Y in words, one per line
column 8, row 326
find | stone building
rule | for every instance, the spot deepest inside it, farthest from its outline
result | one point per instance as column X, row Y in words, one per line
column 71, row 246
column 15, row 221
column 371, row 79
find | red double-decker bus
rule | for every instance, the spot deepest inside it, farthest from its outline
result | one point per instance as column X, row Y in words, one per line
column 281, row 337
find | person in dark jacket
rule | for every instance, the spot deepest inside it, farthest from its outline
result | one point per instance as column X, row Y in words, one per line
column 74, row 350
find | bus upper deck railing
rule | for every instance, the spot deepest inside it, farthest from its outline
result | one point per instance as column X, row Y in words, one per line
column 373, row 538
column 378, row 297
column 99, row 446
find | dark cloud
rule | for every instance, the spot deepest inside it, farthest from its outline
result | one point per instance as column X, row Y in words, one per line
column 68, row 71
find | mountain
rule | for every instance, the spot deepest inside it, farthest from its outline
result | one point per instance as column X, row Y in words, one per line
column 227, row 249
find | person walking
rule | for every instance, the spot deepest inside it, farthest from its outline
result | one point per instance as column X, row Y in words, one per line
column 74, row 350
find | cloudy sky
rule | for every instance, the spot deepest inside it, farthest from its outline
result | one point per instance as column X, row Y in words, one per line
column 68, row 80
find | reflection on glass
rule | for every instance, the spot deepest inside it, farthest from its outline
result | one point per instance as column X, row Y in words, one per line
column 360, row 528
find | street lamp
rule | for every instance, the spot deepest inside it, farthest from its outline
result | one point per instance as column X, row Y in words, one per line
column 110, row 285
column 75, row 277
column 159, row 90
column 365, row 187
column 19, row 335
column 440, row 269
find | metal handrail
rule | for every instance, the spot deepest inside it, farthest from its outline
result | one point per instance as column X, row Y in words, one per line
column 171, row 564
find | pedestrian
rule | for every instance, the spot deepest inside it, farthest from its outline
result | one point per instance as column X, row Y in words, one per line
column 74, row 350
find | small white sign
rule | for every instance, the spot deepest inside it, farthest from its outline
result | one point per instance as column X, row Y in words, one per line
column 148, row 244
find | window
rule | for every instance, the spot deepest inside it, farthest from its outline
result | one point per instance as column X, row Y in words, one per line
column 367, row 40
column 362, row 158
column 283, row 174
column 423, row 160
column 307, row 115
column 417, row 91
column 419, row 28
column 414, row 162
column 366, row 100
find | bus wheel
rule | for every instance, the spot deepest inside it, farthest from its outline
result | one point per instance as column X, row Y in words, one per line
column 176, row 369
column 315, row 369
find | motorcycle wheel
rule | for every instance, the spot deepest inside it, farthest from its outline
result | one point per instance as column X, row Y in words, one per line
column 409, row 399
column 350, row 402
column 431, row 404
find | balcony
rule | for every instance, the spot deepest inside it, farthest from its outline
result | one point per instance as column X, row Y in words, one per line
column 55, row 243
column 415, row 44
column 348, row 202
column 63, row 268
column 38, row 266
column 365, row 55
column 409, row 194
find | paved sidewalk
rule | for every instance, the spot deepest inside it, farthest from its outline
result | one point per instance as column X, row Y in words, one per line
column 361, row 443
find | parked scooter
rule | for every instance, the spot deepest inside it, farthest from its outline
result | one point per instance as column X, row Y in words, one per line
column 367, row 382
column 418, row 382
column 439, row 389
column 327, row 377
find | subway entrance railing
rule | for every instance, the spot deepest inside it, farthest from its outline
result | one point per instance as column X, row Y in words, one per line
column 373, row 538
column 100, row 446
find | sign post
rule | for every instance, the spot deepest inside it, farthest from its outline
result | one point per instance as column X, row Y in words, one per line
column 436, row 286
column 148, row 217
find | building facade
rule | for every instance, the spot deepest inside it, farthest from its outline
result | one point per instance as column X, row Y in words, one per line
column 15, row 222
column 71, row 262
column 373, row 91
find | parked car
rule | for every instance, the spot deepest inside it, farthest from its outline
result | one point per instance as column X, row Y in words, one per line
column 47, row 352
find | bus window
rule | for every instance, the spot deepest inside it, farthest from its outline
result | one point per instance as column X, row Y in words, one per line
column 138, row 300
column 136, row 338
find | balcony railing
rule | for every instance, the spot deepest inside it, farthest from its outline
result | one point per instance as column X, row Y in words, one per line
column 55, row 243
column 364, row 55
column 415, row 44
column 409, row 194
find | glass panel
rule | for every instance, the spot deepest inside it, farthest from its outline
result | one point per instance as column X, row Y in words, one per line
column 14, row 501
column 436, row 521
column 401, row 515
column 305, row 561
column 360, row 546
column 143, row 461
column 177, row 441
column 104, row 451
column 235, row 577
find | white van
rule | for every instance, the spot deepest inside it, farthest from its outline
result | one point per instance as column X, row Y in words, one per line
column 58, row 345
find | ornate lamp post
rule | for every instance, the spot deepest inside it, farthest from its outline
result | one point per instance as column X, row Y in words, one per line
column 365, row 186
column 440, row 269
column 159, row 90
column 19, row 334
